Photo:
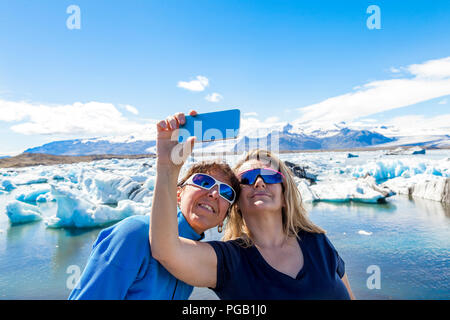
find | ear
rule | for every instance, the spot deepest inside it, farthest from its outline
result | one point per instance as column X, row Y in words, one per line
column 179, row 192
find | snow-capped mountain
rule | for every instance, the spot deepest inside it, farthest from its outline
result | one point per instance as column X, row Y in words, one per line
column 83, row 147
column 288, row 137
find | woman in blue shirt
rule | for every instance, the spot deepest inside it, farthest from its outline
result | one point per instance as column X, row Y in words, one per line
column 273, row 250
column 121, row 265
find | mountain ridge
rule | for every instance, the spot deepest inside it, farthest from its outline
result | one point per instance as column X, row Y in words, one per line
column 289, row 137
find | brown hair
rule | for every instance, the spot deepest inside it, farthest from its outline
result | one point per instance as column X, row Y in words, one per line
column 294, row 215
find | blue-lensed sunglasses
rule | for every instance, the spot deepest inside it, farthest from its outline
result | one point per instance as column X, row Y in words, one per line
column 207, row 182
column 269, row 176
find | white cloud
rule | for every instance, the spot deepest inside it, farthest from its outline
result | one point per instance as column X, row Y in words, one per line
column 194, row 85
column 411, row 125
column 444, row 101
column 83, row 119
column 253, row 127
column 272, row 119
column 214, row 97
column 250, row 114
column 430, row 80
column 132, row 109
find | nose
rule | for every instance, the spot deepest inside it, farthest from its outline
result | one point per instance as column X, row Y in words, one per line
column 214, row 192
column 259, row 183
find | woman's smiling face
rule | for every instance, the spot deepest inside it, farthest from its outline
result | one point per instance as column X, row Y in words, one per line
column 260, row 195
column 204, row 209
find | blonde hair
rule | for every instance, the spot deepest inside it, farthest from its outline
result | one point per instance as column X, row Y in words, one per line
column 294, row 215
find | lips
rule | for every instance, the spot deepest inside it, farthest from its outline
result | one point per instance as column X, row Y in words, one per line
column 207, row 207
column 257, row 194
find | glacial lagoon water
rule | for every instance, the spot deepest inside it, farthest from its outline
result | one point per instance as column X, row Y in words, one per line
column 406, row 239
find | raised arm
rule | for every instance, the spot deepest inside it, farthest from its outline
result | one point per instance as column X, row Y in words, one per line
column 191, row 261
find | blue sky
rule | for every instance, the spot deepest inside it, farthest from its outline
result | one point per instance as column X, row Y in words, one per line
column 272, row 58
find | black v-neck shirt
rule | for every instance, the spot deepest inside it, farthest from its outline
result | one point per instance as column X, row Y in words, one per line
column 243, row 273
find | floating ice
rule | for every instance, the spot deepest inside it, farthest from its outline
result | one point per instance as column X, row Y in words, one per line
column 305, row 191
column 8, row 186
column 424, row 186
column 360, row 190
column 19, row 212
column 149, row 184
column 75, row 209
column 364, row 233
column 28, row 179
column 391, row 168
column 111, row 188
column 34, row 195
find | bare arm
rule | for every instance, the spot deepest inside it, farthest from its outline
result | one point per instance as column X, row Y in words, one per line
column 190, row 261
column 347, row 285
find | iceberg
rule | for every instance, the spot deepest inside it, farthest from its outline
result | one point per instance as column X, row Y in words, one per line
column 360, row 190
column 384, row 169
column 20, row 212
column 7, row 185
column 34, row 195
column 425, row 186
column 29, row 178
column 75, row 209
column 307, row 194
column 109, row 188
column 149, row 184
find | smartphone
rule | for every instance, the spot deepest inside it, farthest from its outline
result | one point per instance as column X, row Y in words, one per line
column 211, row 126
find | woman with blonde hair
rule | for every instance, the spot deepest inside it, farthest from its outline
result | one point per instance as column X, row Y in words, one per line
column 272, row 250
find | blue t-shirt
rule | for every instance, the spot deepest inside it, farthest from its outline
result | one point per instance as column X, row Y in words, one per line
column 121, row 266
column 243, row 273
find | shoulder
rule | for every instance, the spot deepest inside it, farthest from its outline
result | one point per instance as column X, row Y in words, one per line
column 229, row 251
column 236, row 245
column 127, row 231
column 321, row 248
column 124, row 244
column 317, row 240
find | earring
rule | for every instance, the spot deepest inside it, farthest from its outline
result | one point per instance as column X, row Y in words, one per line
column 219, row 228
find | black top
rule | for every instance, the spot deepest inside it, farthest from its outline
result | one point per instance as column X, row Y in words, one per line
column 242, row 273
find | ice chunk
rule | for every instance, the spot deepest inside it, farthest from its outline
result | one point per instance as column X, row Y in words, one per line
column 360, row 190
column 75, row 209
column 29, row 178
column 424, row 186
column 391, row 168
column 306, row 193
column 33, row 195
column 7, row 185
column 20, row 212
column 47, row 197
column 111, row 188
column 364, row 233
column 150, row 183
